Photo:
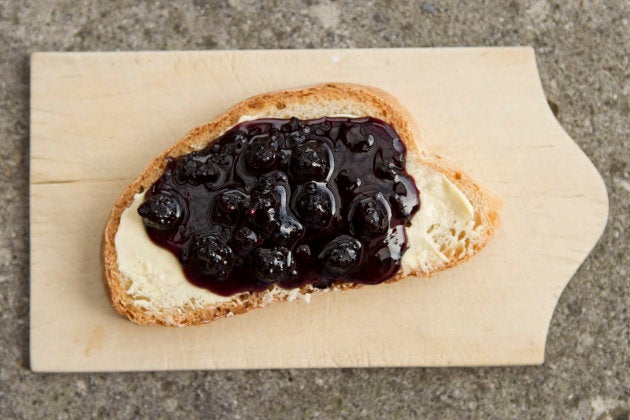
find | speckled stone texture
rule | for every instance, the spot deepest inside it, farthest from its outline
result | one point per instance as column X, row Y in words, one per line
column 583, row 52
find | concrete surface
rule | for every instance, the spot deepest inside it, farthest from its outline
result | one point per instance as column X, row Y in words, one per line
column 583, row 51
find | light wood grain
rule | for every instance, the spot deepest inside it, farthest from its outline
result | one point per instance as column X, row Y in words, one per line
column 98, row 118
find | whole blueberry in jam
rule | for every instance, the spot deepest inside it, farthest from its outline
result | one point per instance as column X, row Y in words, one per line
column 160, row 211
column 244, row 240
column 271, row 265
column 287, row 203
column 341, row 255
column 311, row 161
column 228, row 206
column 261, row 154
column 214, row 256
column 195, row 168
column 369, row 217
column 314, row 205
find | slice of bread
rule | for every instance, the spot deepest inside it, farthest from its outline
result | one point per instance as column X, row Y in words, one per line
column 456, row 219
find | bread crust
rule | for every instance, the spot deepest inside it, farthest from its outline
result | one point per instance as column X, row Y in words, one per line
column 340, row 98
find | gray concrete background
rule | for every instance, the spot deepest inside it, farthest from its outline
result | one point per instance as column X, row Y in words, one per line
column 583, row 52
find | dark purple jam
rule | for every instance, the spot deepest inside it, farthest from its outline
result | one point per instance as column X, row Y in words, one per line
column 286, row 202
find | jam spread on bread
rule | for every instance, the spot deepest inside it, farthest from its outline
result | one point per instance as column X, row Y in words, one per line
column 287, row 202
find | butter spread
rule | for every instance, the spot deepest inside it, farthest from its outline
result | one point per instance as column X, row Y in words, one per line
column 157, row 279
column 443, row 206
column 255, row 117
column 154, row 272
column 247, row 118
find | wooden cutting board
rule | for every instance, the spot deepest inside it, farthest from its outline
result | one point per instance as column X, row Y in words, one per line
column 98, row 118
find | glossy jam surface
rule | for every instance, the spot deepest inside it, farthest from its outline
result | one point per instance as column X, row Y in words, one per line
column 286, row 202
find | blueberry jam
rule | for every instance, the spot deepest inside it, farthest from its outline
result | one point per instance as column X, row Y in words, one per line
column 287, row 202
